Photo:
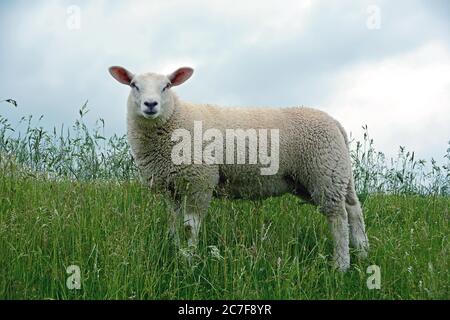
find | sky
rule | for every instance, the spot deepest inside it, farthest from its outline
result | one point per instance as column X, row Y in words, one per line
column 384, row 64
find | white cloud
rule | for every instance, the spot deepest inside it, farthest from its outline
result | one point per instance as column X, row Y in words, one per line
column 404, row 99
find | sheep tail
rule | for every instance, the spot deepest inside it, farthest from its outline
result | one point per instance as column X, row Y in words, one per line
column 344, row 134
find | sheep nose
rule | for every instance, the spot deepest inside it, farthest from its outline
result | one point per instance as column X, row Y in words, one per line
column 151, row 104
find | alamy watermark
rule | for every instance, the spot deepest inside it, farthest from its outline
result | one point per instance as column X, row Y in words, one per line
column 73, row 21
column 73, row 281
column 373, row 21
column 374, row 280
column 249, row 146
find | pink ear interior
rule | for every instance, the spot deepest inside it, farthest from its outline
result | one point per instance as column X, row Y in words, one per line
column 121, row 74
column 180, row 76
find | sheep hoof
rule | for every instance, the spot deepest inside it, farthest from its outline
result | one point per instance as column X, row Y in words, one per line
column 342, row 264
column 362, row 252
column 362, row 249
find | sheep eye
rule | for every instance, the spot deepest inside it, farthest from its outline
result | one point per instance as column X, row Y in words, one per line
column 133, row 85
column 166, row 87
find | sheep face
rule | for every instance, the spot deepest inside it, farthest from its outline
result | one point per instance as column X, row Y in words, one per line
column 150, row 92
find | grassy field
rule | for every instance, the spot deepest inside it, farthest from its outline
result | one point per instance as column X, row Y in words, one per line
column 275, row 249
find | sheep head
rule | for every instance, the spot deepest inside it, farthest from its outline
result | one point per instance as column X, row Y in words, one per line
column 150, row 92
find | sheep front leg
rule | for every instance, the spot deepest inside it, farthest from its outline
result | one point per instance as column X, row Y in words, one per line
column 190, row 212
column 193, row 197
column 195, row 208
column 192, row 223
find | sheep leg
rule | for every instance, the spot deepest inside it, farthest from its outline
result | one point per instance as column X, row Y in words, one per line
column 358, row 236
column 338, row 221
column 194, row 208
column 197, row 196
column 192, row 223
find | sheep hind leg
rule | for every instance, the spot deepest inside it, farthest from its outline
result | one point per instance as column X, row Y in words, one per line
column 358, row 236
column 338, row 222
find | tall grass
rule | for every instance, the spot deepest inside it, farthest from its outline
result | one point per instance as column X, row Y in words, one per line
column 405, row 174
column 82, row 153
column 75, row 152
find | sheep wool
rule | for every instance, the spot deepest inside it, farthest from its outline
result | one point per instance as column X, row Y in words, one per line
column 313, row 160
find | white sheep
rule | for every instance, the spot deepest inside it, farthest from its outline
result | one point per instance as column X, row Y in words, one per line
column 314, row 161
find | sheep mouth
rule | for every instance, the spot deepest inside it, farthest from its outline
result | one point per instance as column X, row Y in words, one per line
column 150, row 113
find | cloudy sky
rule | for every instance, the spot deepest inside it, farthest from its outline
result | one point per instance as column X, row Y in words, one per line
column 381, row 63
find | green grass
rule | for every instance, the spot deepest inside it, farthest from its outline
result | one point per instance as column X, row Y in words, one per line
column 116, row 232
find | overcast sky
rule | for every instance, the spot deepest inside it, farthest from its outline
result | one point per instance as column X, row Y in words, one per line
column 381, row 63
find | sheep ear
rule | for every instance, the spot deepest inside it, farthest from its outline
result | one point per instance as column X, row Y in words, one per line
column 180, row 76
column 121, row 74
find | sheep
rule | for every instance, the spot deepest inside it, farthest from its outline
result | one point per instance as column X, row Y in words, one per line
column 314, row 160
